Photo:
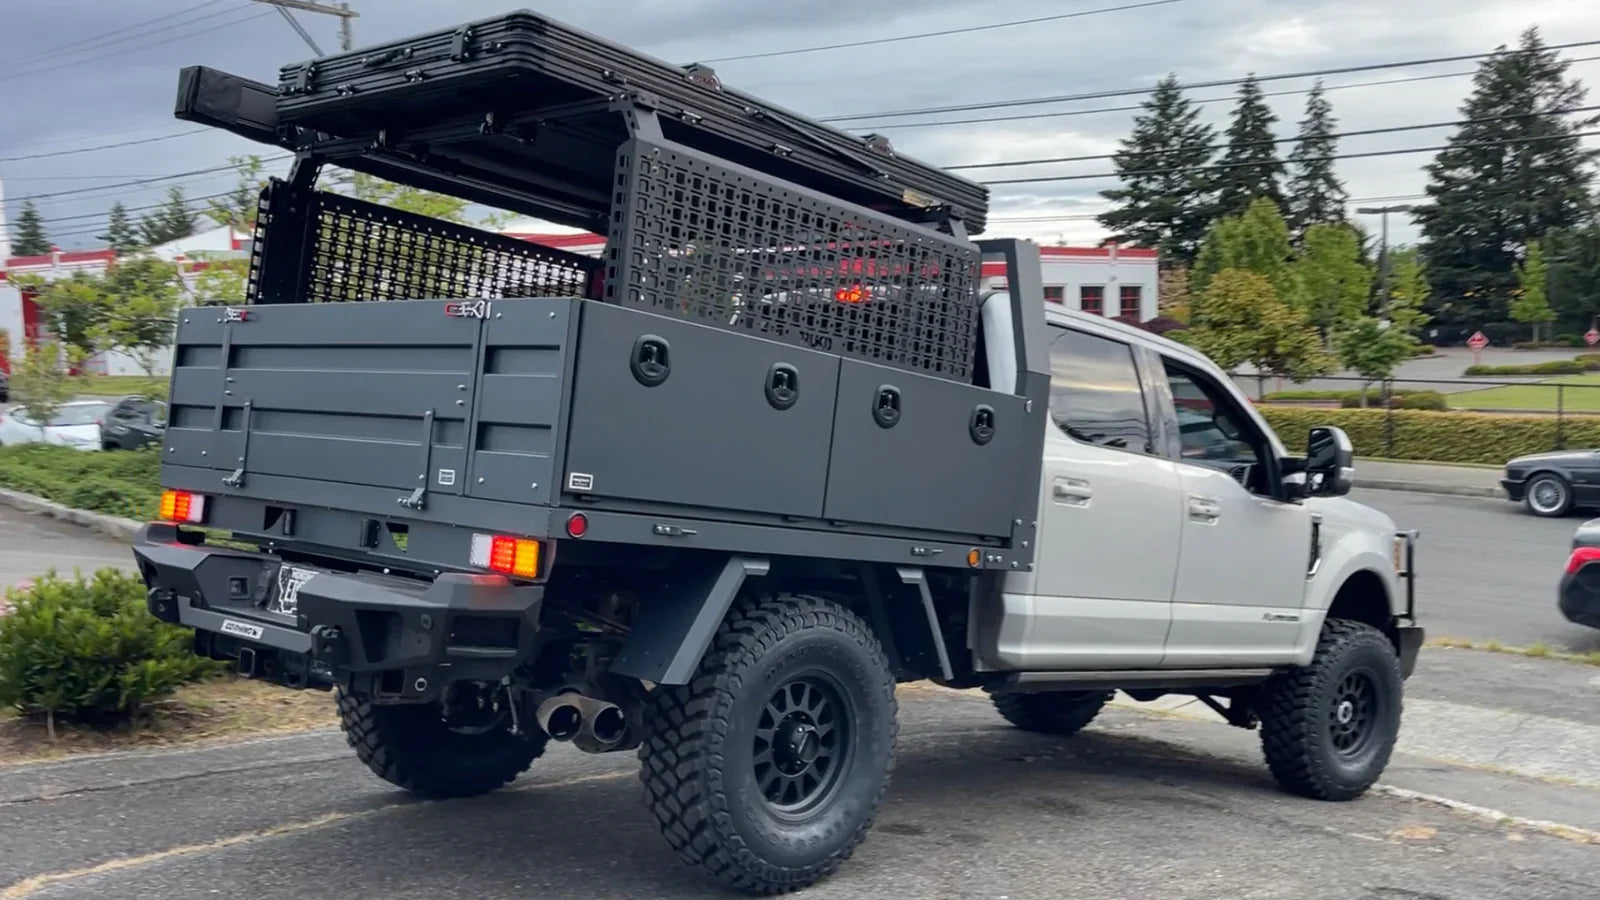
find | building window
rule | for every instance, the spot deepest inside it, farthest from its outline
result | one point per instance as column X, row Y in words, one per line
column 1055, row 294
column 1092, row 299
column 1131, row 296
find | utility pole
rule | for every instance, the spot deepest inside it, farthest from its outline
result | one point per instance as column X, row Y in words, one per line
column 341, row 9
column 1383, row 246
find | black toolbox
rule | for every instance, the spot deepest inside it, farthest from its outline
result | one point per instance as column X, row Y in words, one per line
column 520, row 72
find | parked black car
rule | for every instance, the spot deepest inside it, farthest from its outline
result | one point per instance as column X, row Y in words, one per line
column 1554, row 484
column 1580, row 585
column 134, row 422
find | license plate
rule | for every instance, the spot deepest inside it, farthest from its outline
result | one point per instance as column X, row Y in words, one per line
column 286, row 599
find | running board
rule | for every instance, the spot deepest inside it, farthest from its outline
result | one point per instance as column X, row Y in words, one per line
column 1032, row 682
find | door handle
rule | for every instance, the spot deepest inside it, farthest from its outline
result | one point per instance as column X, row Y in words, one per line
column 1204, row 509
column 1071, row 491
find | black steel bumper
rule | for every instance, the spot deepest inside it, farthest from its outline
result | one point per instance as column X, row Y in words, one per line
column 390, row 638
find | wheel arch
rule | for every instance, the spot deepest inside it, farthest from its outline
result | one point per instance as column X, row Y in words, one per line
column 1364, row 597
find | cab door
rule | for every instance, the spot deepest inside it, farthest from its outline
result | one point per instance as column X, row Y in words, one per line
column 1109, row 520
column 1245, row 557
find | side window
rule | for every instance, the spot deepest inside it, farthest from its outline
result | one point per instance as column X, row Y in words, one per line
column 1095, row 394
column 1213, row 431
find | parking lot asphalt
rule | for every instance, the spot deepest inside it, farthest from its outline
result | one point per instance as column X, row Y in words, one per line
column 1142, row 805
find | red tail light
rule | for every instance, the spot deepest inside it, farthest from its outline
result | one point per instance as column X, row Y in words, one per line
column 506, row 554
column 183, row 506
column 1581, row 557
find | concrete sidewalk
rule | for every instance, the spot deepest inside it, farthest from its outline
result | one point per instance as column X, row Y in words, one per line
column 1464, row 481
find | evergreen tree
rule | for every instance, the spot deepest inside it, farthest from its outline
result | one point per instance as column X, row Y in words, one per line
column 1515, row 171
column 169, row 222
column 1250, row 167
column 30, row 238
column 1316, row 196
column 121, row 235
column 1166, row 198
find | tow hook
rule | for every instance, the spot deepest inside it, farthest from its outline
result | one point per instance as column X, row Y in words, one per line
column 328, row 645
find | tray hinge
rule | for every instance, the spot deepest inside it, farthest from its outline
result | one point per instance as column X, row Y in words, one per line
column 236, row 478
column 419, row 497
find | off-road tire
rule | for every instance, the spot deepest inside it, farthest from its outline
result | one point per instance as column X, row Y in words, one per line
column 700, row 758
column 1052, row 712
column 1300, row 713
column 410, row 747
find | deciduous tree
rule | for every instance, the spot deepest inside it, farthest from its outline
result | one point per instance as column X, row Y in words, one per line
column 1242, row 320
column 1333, row 283
column 1530, row 302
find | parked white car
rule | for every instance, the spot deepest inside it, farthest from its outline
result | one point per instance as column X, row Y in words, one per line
column 76, row 425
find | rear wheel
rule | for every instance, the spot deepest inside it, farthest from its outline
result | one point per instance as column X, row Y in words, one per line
column 1329, row 728
column 1549, row 495
column 768, row 768
column 414, row 747
column 1052, row 712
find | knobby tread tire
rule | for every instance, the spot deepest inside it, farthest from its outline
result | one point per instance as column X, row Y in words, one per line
column 1293, row 731
column 1052, row 712
column 409, row 747
column 681, row 761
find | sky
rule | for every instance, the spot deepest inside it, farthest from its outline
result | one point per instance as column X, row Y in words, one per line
column 81, row 74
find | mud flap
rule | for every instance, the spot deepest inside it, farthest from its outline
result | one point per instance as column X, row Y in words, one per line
column 674, row 627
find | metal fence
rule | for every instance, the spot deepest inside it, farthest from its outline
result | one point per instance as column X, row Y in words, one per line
column 1561, row 397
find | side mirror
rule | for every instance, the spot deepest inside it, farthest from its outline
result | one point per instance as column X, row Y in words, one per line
column 1330, row 462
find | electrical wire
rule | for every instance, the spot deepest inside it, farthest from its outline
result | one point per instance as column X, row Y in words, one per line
column 1329, row 158
column 150, row 140
column 1277, row 141
column 1219, row 82
column 20, row 76
column 120, row 33
column 145, row 181
column 982, row 120
column 949, row 31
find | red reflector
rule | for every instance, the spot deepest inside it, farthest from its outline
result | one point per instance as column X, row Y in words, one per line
column 577, row 525
column 1581, row 557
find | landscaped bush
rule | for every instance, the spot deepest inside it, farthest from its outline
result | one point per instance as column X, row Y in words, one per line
column 118, row 483
column 1399, row 399
column 1424, row 350
column 1552, row 367
column 87, row 650
column 1459, row 437
column 1589, row 361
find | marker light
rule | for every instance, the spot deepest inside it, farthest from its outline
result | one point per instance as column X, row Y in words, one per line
column 183, row 506
column 506, row 554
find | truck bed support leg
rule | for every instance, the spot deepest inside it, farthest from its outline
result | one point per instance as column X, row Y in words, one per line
column 674, row 627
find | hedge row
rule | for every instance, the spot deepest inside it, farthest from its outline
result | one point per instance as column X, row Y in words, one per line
column 1352, row 399
column 119, row 483
column 1583, row 362
column 1451, row 437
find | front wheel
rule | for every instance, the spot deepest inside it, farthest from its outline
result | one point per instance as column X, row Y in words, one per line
column 768, row 768
column 1329, row 728
column 1549, row 495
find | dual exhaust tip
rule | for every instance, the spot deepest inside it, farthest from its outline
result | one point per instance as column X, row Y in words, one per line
column 591, row 725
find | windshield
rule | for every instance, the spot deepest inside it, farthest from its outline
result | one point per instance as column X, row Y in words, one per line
column 80, row 414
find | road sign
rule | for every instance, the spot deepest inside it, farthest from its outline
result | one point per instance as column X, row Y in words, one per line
column 1591, row 337
column 1477, row 341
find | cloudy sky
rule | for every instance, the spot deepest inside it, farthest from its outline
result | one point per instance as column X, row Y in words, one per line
column 81, row 74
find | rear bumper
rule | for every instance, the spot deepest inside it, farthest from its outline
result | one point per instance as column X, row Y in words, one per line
column 393, row 639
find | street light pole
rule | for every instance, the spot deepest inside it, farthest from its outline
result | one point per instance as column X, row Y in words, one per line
column 342, row 10
column 1383, row 246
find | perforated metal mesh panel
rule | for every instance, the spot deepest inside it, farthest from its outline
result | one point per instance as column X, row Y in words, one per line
column 353, row 250
column 729, row 247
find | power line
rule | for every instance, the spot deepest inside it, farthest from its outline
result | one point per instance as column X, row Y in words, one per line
column 1329, row 158
column 145, row 181
column 118, row 33
column 948, row 31
column 92, row 59
column 1136, row 107
column 1276, row 141
column 151, row 140
column 1220, row 82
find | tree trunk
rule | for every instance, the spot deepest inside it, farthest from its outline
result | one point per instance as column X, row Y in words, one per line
column 1261, row 385
column 1362, row 402
column 50, row 723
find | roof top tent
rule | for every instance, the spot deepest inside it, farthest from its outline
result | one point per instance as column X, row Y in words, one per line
column 726, row 219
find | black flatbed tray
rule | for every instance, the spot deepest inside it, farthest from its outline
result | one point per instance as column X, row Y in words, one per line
column 526, row 81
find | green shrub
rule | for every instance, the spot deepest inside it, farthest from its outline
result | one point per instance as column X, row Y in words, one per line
column 1451, row 437
column 118, row 483
column 87, row 650
column 1430, row 400
column 1424, row 350
column 1589, row 361
column 1552, row 367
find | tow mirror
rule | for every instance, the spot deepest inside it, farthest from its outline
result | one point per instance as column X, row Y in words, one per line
column 1330, row 462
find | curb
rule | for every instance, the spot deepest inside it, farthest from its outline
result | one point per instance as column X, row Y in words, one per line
column 110, row 526
column 1415, row 487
